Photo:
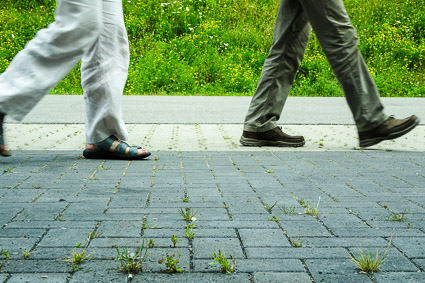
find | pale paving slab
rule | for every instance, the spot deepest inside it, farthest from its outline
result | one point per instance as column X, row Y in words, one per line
column 201, row 137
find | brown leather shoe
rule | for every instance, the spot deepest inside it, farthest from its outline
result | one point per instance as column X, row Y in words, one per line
column 392, row 128
column 273, row 137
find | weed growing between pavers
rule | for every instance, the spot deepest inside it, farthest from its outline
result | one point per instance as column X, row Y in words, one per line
column 297, row 243
column 189, row 231
column 77, row 258
column 312, row 210
column 174, row 240
column 226, row 266
column 5, row 253
column 188, row 214
column 287, row 210
column 171, row 263
column 369, row 262
column 274, row 218
column 26, row 254
column 185, row 199
column 398, row 216
column 268, row 207
column 132, row 262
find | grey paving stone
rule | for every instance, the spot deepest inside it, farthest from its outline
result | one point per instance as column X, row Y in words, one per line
column 411, row 277
column 123, row 228
column 204, row 247
column 254, row 265
column 36, row 266
column 16, row 246
column 42, row 253
column 65, row 238
column 52, row 224
column 360, row 181
column 263, row 238
column 351, row 278
column 3, row 277
column 324, row 269
column 38, row 277
column 412, row 247
column 420, row 262
column 297, row 253
column 277, row 277
column 344, row 242
column 98, row 271
column 192, row 277
column 306, row 228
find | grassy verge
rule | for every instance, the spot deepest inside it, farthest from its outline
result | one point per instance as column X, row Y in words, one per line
column 206, row 47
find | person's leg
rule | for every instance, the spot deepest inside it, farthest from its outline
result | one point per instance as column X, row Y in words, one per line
column 104, row 71
column 3, row 150
column 103, row 75
column 338, row 39
column 47, row 58
column 290, row 40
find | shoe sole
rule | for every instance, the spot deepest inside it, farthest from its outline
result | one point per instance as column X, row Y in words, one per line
column 371, row 142
column 97, row 154
column 253, row 142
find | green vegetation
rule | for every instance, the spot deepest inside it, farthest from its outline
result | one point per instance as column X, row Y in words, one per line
column 369, row 262
column 226, row 266
column 132, row 262
column 209, row 47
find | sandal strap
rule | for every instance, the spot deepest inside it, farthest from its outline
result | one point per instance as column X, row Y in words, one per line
column 121, row 148
column 105, row 145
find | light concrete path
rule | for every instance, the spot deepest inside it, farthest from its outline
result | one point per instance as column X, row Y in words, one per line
column 187, row 123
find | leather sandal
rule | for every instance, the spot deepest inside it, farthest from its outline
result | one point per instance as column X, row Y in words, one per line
column 113, row 148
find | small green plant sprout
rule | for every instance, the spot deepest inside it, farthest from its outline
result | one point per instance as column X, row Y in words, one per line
column 185, row 199
column 151, row 244
column 297, row 243
column 26, row 254
column 398, row 216
column 188, row 214
column 77, row 258
column 226, row 266
column 287, row 210
column 171, row 263
column 132, row 262
column 94, row 235
column 302, row 202
column 268, row 207
column 274, row 218
column 6, row 254
column 174, row 240
column 189, row 232
column 313, row 210
column 369, row 262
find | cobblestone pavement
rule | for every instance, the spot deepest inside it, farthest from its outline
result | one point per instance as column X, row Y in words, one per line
column 201, row 137
column 249, row 203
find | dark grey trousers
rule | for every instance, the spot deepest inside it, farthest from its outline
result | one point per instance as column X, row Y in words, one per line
column 338, row 38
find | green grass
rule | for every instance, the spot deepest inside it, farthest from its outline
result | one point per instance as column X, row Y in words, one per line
column 206, row 47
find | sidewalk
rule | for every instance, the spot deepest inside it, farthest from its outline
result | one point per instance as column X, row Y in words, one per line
column 250, row 202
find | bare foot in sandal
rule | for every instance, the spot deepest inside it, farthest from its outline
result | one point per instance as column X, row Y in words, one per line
column 113, row 148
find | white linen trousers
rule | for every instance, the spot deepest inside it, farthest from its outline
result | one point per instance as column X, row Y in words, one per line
column 90, row 31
